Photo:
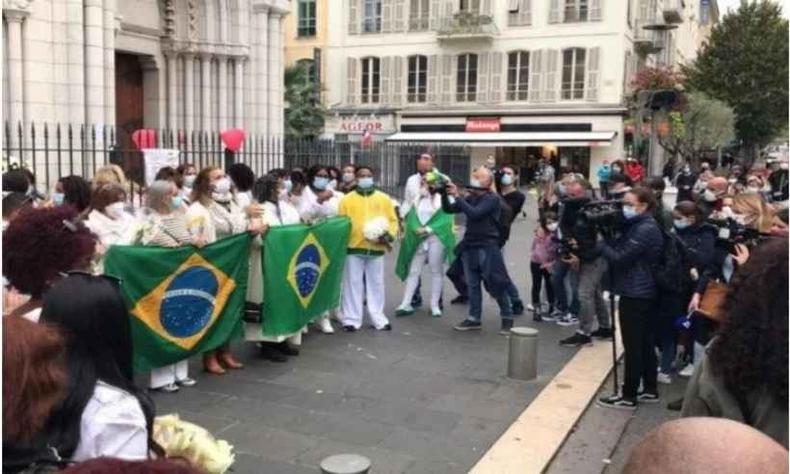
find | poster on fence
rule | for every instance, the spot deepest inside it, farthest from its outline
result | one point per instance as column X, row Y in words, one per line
column 156, row 159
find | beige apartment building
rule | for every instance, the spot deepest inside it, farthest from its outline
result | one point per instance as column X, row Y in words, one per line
column 306, row 36
column 514, row 79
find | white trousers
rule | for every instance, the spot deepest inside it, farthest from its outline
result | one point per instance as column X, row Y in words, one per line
column 169, row 374
column 431, row 250
column 363, row 278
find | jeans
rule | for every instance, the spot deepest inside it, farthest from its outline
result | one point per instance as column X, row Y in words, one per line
column 670, row 307
column 637, row 321
column 484, row 265
column 564, row 274
column 456, row 275
column 540, row 275
column 591, row 303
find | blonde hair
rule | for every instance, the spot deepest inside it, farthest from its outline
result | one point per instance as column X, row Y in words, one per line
column 109, row 174
column 756, row 211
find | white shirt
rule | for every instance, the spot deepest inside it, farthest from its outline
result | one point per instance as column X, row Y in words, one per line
column 411, row 193
column 215, row 225
column 311, row 210
column 284, row 213
column 112, row 425
column 111, row 231
column 427, row 207
column 244, row 199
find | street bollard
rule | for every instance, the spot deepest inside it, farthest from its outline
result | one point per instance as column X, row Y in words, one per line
column 345, row 464
column 522, row 360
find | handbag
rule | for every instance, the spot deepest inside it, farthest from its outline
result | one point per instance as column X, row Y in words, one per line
column 711, row 304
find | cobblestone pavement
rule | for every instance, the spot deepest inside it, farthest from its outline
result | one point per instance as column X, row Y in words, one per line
column 420, row 399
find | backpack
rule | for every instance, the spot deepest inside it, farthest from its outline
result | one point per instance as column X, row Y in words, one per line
column 671, row 273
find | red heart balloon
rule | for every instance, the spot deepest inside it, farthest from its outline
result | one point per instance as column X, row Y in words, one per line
column 144, row 138
column 233, row 139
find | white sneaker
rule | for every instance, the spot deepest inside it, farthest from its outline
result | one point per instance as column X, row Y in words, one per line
column 530, row 307
column 664, row 378
column 326, row 326
column 687, row 371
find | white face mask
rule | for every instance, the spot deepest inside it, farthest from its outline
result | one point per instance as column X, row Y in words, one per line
column 222, row 186
column 783, row 165
column 710, row 196
column 115, row 210
column 552, row 226
column 189, row 180
column 348, row 177
column 753, row 189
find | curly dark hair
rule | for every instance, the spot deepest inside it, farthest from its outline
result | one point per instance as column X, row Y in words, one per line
column 242, row 176
column 38, row 246
column 750, row 352
column 76, row 191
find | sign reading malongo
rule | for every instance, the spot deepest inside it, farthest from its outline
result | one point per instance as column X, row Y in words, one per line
column 482, row 124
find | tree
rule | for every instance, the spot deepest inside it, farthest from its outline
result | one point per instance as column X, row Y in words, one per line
column 304, row 115
column 745, row 65
column 703, row 124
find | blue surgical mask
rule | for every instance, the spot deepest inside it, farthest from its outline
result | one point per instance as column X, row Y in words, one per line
column 320, row 182
column 475, row 183
column 365, row 183
column 289, row 185
column 629, row 212
column 507, row 180
column 189, row 180
column 176, row 202
column 681, row 224
column 561, row 189
column 58, row 198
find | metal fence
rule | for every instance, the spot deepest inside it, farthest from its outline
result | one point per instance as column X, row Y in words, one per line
column 52, row 151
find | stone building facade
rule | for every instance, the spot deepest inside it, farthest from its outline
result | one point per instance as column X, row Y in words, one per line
column 173, row 64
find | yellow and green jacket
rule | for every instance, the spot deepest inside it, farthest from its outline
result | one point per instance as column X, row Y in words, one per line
column 361, row 207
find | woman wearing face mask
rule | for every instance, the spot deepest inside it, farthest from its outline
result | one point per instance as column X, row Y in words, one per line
column 348, row 179
column 544, row 253
column 631, row 258
column 318, row 201
column 242, row 178
column 334, row 178
column 685, row 181
column 72, row 191
column 214, row 215
column 189, row 173
column 109, row 220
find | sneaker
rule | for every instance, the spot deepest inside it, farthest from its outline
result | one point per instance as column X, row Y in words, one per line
column 507, row 325
column 675, row 405
column 568, row 320
column 537, row 317
column 530, row 307
column 518, row 307
column 436, row 313
column 647, row 397
column 386, row 327
column 664, row 378
column 326, row 326
column 557, row 314
column 187, row 382
column 404, row 311
column 468, row 325
column 548, row 316
column 460, row 299
column 617, row 402
column 577, row 340
column 687, row 371
column 270, row 352
column 349, row 328
column 602, row 333
column 169, row 388
column 287, row 349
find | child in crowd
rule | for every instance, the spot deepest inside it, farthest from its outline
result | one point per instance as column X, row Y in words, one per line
column 541, row 262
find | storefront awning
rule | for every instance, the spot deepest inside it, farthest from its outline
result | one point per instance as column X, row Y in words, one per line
column 503, row 139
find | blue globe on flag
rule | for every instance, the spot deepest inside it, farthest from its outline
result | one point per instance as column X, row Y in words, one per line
column 188, row 302
column 307, row 265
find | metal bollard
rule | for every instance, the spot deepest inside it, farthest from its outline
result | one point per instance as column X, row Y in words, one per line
column 522, row 360
column 345, row 464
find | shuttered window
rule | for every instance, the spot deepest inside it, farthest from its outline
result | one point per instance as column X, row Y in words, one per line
column 418, row 79
column 519, row 13
column 469, row 6
column 466, row 79
column 306, row 20
column 573, row 65
column 371, row 16
column 371, row 80
column 419, row 15
column 576, row 11
column 518, row 75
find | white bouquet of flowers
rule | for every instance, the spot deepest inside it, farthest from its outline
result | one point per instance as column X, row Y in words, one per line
column 181, row 439
column 376, row 228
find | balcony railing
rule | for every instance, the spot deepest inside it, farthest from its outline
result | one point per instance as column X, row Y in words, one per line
column 673, row 11
column 647, row 40
column 466, row 25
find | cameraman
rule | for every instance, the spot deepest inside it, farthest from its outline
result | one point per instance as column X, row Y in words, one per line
column 583, row 258
column 480, row 250
column 632, row 257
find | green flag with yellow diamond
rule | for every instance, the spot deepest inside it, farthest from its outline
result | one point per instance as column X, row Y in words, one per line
column 302, row 273
column 182, row 301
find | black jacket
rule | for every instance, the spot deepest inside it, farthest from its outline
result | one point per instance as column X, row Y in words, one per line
column 573, row 225
column 633, row 256
column 482, row 218
column 779, row 189
column 700, row 242
column 685, row 184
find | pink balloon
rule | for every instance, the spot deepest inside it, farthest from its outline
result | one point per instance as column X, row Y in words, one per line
column 233, row 139
column 144, row 138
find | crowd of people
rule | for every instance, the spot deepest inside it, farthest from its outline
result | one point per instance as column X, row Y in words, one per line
column 68, row 346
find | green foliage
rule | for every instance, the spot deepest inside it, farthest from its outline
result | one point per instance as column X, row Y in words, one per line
column 704, row 124
column 304, row 115
column 745, row 65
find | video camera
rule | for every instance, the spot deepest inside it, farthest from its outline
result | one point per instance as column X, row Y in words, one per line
column 605, row 216
column 437, row 182
column 732, row 233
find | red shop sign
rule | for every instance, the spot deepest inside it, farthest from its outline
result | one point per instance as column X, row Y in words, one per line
column 482, row 124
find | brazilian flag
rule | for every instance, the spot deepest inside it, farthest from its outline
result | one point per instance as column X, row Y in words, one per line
column 183, row 301
column 302, row 273
column 441, row 225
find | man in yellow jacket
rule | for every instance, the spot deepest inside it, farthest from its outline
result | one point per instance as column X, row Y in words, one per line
column 364, row 273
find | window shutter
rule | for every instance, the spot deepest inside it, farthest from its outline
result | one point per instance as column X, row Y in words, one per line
column 351, row 81
column 431, row 93
column 486, row 8
column 513, row 6
column 496, row 77
column 595, row 10
column 386, row 16
column 449, row 8
column 386, row 80
column 399, row 20
column 554, row 11
column 353, row 17
column 525, row 12
column 551, row 69
column 397, row 80
column 535, row 73
column 591, row 92
column 447, row 78
column 483, row 60
column 434, row 14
